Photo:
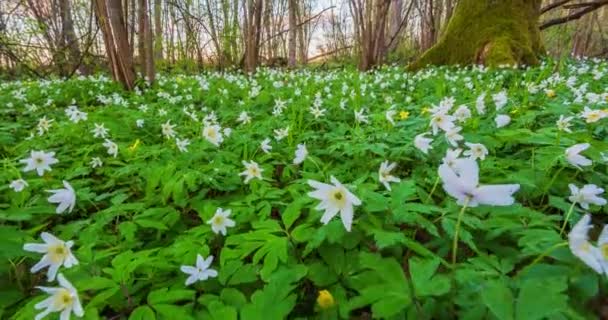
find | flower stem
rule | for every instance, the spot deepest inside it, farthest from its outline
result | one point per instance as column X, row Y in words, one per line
column 543, row 255
column 561, row 231
column 457, row 230
column 433, row 189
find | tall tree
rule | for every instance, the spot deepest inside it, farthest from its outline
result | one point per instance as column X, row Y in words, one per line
column 158, row 30
column 371, row 20
column 291, row 60
column 253, row 30
column 110, row 17
column 489, row 31
column 146, row 46
column 70, row 42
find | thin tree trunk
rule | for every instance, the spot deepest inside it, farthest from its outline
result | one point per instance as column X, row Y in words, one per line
column 158, row 30
column 146, row 46
column 291, row 62
column 111, row 20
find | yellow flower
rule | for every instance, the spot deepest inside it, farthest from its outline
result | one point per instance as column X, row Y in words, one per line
column 325, row 299
column 425, row 110
column 134, row 145
column 404, row 115
column 550, row 93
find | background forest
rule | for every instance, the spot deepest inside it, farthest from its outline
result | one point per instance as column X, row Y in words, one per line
column 66, row 36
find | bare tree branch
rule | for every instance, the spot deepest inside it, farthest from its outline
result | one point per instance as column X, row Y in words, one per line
column 591, row 6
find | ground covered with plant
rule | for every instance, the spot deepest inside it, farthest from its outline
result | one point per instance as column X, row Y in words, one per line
column 446, row 193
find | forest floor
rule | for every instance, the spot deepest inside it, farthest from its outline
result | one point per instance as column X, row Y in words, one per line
column 432, row 195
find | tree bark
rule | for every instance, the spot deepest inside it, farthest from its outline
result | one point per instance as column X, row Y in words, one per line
column 158, row 31
column 291, row 62
column 489, row 32
column 69, row 36
column 146, row 46
column 110, row 17
column 254, row 29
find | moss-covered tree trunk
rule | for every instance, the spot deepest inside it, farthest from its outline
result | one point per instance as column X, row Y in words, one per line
column 489, row 32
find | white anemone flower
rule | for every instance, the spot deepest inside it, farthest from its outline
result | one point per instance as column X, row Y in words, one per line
column 301, row 154
column 390, row 115
column 220, row 221
column 39, row 161
column 167, row 129
column 578, row 240
column 96, row 162
column 574, row 158
column 100, row 131
column 182, row 144
column 500, row 99
column 423, row 143
column 587, row 195
column 63, row 299
column 384, row 174
column 461, row 181
column 265, row 145
column 18, row 185
column 213, row 134
column 476, row 151
column 334, row 199
column 112, row 148
column 65, row 197
column 252, row 170
column 563, row 123
column 56, row 252
column 502, row 120
column 199, row 272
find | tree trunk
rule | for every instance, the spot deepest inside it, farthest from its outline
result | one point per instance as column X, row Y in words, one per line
column 158, row 31
column 291, row 62
column 111, row 21
column 490, row 32
column 69, row 36
column 146, row 46
column 254, row 28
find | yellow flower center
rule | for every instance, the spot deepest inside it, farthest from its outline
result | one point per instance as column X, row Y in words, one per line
column 604, row 249
column 253, row 171
column 218, row 220
column 63, row 299
column 211, row 133
column 593, row 117
column 38, row 160
column 339, row 198
column 585, row 247
column 58, row 253
column 325, row 299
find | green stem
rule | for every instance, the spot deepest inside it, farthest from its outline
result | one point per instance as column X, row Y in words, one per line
column 457, row 230
column 561, row 231
column 543, row 255
column 433, row 189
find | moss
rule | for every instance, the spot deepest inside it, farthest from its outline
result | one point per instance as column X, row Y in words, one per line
column 492, row 32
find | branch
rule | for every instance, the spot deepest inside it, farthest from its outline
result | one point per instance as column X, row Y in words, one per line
column 553, row 6
column 298, row 25
column 591, row 6
column 328, row 53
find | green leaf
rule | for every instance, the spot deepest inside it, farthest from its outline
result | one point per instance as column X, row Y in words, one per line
column 426, row 282
column 219, row 311
column 293, row 212
column 142, row 313
column 497, row 296
column 275, row 300
column 165, row 295
column 383, row 285
column 541, row 298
